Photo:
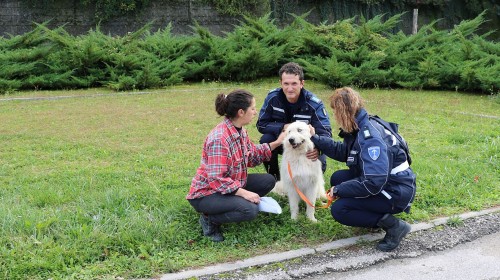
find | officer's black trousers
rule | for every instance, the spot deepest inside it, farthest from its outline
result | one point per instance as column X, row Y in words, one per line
column 358, row 212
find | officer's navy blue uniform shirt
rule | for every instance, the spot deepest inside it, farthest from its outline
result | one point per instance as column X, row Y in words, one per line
column 277, row 111
column 375, row 156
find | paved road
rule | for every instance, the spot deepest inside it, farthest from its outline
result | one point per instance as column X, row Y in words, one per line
column 478, row 260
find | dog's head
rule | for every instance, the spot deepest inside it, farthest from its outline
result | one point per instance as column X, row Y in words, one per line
column 298, row 136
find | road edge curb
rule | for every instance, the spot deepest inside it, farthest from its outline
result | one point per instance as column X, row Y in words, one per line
column 288, row 255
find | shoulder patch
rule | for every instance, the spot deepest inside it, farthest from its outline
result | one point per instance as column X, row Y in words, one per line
column 374, row 152
column 315, row 99
column 366, row 133
column 273, row 90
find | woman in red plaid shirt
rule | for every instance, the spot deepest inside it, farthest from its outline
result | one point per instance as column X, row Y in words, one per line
column 222, row 190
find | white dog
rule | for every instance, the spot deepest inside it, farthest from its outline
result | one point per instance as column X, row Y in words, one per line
column 307, row 174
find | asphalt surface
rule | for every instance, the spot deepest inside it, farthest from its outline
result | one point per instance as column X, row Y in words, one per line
column 462, row 247
column 478, row 259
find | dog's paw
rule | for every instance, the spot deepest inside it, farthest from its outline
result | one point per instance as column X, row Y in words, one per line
column 323, row 196
column 312, row 219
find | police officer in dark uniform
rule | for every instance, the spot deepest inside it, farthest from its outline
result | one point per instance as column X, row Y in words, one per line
column 288, row 104
column 379, row 181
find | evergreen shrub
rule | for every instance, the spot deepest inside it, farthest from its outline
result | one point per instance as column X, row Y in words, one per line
column 345, row 53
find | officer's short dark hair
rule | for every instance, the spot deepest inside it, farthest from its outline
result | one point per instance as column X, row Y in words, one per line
column 292, row 68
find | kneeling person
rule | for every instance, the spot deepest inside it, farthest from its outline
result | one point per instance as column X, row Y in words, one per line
column 287, row 104
column 379, row 182
column 222, row 191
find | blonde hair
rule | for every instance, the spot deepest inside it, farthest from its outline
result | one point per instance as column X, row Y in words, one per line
column 346, row 104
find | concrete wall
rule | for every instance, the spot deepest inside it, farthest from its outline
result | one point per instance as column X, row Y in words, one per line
column 17, row 17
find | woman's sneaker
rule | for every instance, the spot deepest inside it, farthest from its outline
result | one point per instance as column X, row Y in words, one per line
column 206, row 225
column 217, row 234
column 210, row 229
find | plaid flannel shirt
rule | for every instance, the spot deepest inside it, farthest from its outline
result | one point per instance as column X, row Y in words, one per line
column 225, row 159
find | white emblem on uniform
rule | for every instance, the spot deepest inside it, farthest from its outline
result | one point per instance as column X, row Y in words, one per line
column 374, row 152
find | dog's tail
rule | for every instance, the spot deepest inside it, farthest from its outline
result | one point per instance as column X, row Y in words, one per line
column 278, row 189
column 322, row 195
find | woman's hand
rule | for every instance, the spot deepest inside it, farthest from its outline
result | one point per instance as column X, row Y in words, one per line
column 281, row 137
column 333, row 193
column 285, row 127
column 314, row 153
column 278, row 142
column 248, row 195
column 312, row 130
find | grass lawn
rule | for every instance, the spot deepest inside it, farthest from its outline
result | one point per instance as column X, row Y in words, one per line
column 92, row 185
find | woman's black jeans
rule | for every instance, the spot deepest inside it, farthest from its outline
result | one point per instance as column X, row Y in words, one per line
column 230, row 208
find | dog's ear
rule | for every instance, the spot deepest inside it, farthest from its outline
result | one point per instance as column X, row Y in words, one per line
column 288, row 129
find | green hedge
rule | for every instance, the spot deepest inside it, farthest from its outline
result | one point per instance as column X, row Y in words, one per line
column 364, row 54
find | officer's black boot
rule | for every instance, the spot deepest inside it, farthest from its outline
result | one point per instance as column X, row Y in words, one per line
column 395, row 230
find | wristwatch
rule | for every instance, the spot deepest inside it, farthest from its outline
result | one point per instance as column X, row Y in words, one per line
column 335, row 190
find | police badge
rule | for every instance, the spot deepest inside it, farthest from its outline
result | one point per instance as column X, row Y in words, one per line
column 374, row 152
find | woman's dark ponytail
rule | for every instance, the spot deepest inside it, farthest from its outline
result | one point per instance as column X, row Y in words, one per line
column 229, row 105
column 221, row 104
